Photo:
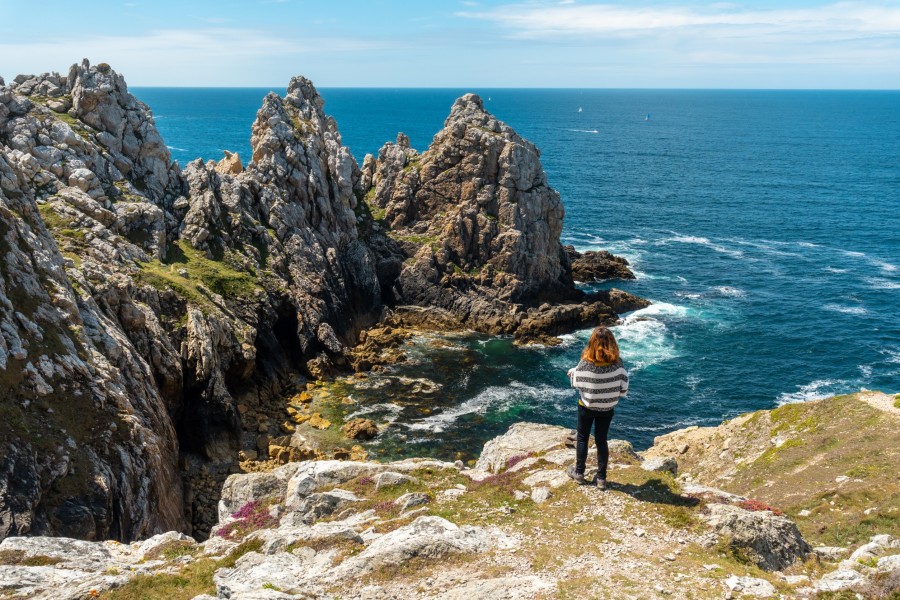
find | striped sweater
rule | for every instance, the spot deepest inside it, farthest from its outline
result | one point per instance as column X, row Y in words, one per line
column 600, row 386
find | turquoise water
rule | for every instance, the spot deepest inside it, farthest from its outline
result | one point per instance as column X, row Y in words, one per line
column 763, row 224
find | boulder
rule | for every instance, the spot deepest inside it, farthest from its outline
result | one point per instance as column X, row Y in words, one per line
column 842, row 579
column 426, row 537
column 153, row 545
column 319, row 505
column 769, row 541
column 260, row 576
column 623, row 449
column 661, row 464
column 520, row 440
column 888, row 564
column 230, row 165
column 751, row 586
column 411, row 500
column 541, row 494
column 240, row 489
column 360, row 429
column 830, row 553
column 391, row 478
column 591, row 266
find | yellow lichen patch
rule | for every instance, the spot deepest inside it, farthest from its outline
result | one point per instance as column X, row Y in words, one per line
column 316, row 420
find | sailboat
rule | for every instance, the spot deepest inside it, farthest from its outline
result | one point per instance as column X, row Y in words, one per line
column 647, row 118
column 579, row 109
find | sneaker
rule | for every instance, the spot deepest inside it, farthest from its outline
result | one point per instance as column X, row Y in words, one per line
column 600, row 483
column 578, row 477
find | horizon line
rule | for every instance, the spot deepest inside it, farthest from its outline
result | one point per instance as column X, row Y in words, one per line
column 363, row 87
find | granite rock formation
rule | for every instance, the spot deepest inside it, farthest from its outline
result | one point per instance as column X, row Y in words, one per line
column 153, row 319
column 478, row 227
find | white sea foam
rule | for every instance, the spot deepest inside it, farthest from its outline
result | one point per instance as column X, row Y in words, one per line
column 693, row 381
column 495, row 398
column 644, row 338
column 821, row 388
column 176, row 148
column 388, row 412
column 702, row 241
column 835, row 270
column 885, row 266
column 583, row 130
column 729, row 291
column 689, row 295
column 883, row 284
column 866, row 371
column 847, row 310
column 893, row 356
column 673, row 426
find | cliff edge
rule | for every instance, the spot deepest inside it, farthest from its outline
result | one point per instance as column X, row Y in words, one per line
column 515, row 525
column 154, row 320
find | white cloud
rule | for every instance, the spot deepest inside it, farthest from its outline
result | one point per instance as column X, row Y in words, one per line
column 214, row 56
column 541, row 20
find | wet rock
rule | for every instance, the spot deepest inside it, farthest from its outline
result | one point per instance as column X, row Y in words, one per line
column 316, row 420
column 360, row 429
column 591, row 266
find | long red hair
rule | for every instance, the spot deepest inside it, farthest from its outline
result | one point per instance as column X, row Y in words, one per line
column 602, row 347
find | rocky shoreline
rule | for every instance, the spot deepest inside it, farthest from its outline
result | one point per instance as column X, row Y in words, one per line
column 143, row 305
column 515, row 526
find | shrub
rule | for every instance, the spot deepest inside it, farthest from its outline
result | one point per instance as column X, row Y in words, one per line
column 514, row 460
column 251, row 517
column 756, row 506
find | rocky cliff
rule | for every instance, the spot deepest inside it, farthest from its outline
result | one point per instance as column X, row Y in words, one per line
column 479, row 226
column 154, row 319
column 515, row 526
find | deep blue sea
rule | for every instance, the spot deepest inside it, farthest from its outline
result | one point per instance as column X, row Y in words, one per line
column 764, row 225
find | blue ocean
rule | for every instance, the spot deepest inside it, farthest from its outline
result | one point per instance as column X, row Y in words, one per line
column 764, row 226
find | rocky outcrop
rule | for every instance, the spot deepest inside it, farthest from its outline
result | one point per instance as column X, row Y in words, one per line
column 153, row 319
column 770, row 541
column 320, row 529
column 478, row 227
column 80, row 404
column 591, row 266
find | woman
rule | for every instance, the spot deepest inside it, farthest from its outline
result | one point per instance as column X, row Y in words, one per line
column 601, row 380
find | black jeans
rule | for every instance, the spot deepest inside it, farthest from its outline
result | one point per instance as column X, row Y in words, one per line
column 586, row 419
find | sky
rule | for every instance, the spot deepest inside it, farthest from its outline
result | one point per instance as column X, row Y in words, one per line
column 454, row 43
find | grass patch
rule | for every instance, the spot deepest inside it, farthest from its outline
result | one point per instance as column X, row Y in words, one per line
column 19, row 558
column 172, row 550
column 415, row 239
column 202, row 276
column 192, row 580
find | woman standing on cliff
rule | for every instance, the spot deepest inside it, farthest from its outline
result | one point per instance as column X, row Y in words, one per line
column 600, row 379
